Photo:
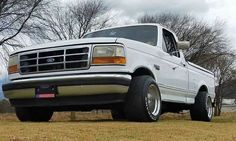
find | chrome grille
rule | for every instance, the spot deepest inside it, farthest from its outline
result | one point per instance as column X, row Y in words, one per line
column 54, row 60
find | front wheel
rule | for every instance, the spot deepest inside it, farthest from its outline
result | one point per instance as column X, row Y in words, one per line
column 36, row 114
column 143, row 101
column 118, row 114
column 202, row 110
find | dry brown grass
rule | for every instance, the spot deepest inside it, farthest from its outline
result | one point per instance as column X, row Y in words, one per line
column 99, row 126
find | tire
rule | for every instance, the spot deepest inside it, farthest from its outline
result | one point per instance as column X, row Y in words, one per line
column 33, row 114
column 202, row 109
column 117, row 114
column 23, row 114
column 143, row 101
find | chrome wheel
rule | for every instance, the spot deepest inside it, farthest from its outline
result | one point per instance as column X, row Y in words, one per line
column 143, row 102
column 153, row 100
column 209, row 107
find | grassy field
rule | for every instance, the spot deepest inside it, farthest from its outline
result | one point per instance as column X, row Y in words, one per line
column 100, row 127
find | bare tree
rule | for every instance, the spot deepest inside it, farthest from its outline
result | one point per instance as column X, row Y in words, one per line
column 229, row 86
column 208, row 46
column 70, row 21
column 14, row 15
column 14, row 18
column 225, row 72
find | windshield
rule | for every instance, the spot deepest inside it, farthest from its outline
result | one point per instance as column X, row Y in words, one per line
column 142, row 33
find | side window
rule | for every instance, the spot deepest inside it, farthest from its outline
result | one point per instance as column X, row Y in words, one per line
column 170, row 43
column 164, row 45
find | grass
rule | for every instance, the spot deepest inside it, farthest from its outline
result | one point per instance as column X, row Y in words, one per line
column 99, row 126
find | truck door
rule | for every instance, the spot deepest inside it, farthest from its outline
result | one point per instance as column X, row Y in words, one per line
column 175, row 76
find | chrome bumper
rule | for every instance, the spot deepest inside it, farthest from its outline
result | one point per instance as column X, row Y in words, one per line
column 71, row 85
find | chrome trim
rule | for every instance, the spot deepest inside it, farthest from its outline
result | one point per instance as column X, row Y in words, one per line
column 76, row 54
column 64, row 62
column 64, row 91
column 37, row 62
column 20, row 93
column 200, row 68
column 71, row 77
column 91, row 90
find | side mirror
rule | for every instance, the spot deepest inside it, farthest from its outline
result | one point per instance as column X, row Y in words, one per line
column 183, row 44
column 181, row 54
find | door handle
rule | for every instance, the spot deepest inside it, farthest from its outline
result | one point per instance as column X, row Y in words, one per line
column 175, row 67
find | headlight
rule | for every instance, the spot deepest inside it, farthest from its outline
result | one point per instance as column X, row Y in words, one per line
column 12, row 64
column 108, row 55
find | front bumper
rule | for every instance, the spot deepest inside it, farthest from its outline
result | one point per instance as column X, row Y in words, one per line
column 70, row 86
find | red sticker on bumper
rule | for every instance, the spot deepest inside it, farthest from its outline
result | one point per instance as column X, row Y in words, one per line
column 45, row 95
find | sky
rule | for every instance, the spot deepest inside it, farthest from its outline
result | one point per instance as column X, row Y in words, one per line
column 127, row 11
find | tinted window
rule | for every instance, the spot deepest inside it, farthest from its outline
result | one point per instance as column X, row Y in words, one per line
column 143, row 33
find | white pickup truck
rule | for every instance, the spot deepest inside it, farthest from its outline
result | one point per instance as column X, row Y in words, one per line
column 137, row 71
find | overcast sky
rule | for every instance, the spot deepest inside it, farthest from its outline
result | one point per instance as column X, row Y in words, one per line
column 207, row 10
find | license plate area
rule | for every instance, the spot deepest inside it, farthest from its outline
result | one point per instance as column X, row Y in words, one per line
column 46, row 91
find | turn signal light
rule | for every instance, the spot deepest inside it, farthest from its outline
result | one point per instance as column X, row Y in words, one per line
column 108, row 60
column 12, row 69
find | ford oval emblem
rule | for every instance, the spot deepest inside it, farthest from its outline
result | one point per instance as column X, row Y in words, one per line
column 50, row 60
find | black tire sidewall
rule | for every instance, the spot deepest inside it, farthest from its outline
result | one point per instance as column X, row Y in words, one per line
column 117, row 114
column 35, row 114
column 199, row 111
column 23, row 114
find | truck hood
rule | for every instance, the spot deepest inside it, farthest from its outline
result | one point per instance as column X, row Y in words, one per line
column 68, row 43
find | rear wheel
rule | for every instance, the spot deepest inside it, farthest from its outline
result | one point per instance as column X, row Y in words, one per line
column 143, row 101
column 202, row 110
column 38, row 114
